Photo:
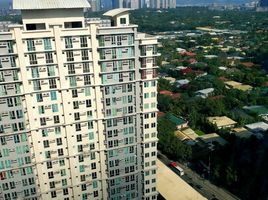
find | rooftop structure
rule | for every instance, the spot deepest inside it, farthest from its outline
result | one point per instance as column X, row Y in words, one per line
column 49, row 4
column 242, row 132
column 116, row 12
column 238, row 86
column 172, row 187
column 211, row 138
column 258, row 127
column 170, row 79
column 178, row 121
column 182, row 82
column 222, row 122
column 204, row 93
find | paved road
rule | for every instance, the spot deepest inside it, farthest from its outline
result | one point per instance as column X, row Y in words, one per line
column 203, row 186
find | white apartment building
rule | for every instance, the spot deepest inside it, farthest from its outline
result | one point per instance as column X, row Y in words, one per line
column 77, row 105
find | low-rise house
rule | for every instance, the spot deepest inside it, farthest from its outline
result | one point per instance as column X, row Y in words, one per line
column 192, row 61
column 242, row 132
column 170, row 94
column 258, row 127
column 160, row 114
column 190, row 133
column 210, row 56
column 178, row 121
column 166, row 92
column 187, row 135
column 187, row 71
column 170, row 79
column 191, row 54
column 212, row 138
column 205, row 93
column 222, row 122
column 182, row 82
column 180, row 50
column 165, row 63
column 237, row 85
column 247, row 64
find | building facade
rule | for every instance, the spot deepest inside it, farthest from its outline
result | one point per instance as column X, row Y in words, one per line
column 77, row 106
column 157, row 4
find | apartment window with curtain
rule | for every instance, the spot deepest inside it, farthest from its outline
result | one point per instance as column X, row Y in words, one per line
column 68, row 42
column 50, row 70
column 10, row 46
column 101, row 41
column 35, row 72
column 47, row 44
column 15, row 75
column 2, row 79
column 30, row 45
column 13, row 61
column 72, row 81
column 36, row 85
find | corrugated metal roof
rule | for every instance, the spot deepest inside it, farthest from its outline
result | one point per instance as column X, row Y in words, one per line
column 114, row 12
column 49, row 4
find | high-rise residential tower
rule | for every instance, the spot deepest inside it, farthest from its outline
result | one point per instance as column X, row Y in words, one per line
column 77, row 105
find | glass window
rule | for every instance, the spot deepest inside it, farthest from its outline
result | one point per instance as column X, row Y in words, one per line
column 68, row 42
column 55, row 108
column 47, row 44
column 53, row 95
column 50, row 71
column 35, row 72
column 30, row 45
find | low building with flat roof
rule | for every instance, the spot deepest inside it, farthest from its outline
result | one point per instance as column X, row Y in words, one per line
column 212, row 138
column 237, row 85
column 170, row 79
column 204, row 93
column 258, row 127
column 222, row 122
column 242, row 132
column 173, row 187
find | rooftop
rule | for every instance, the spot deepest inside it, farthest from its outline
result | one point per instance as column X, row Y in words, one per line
column 173, row 187
column 237, row 85
column 258, row 127
column 213, row 137
column 115, row 12
column 176, row 120
column 242, row 132
column 205, row 91
column 49, row 4
column 222, row 121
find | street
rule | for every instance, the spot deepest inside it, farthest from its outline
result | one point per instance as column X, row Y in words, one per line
column 200, row 184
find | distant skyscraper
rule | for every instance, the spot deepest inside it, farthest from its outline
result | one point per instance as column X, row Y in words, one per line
column 78, row 106
column 167, row 4
column 95, row 5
